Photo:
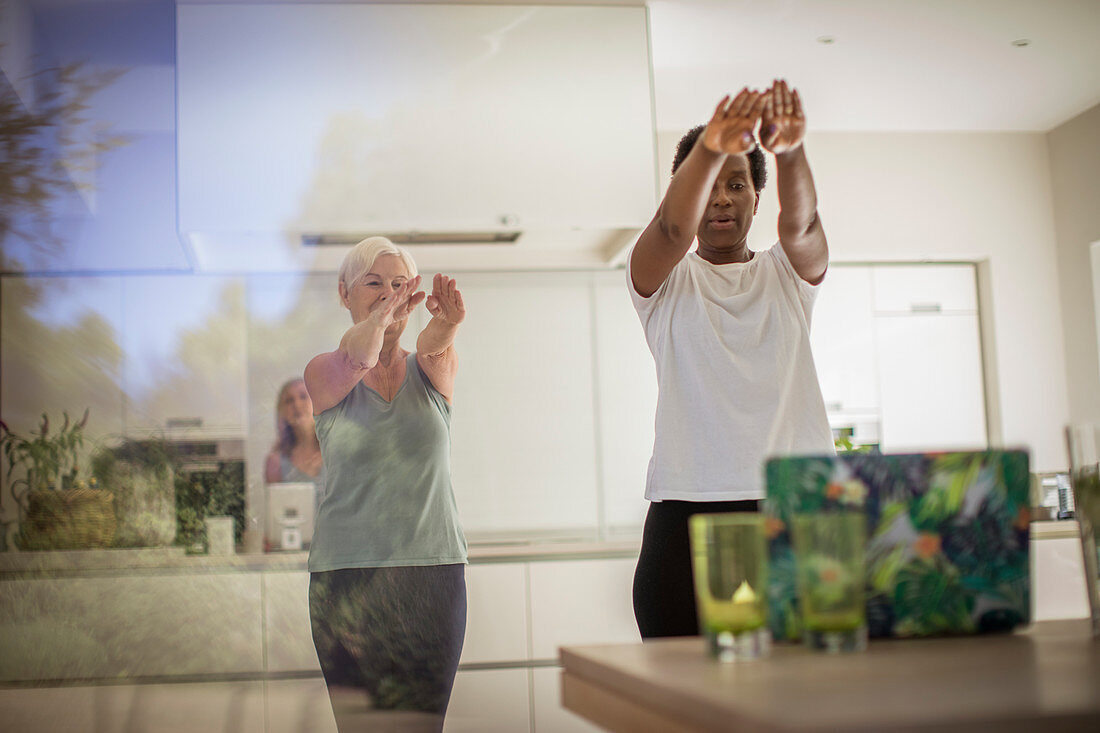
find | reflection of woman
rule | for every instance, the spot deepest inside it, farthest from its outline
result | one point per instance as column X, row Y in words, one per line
column 387, row 593
column 296, row 455
column 729, row 332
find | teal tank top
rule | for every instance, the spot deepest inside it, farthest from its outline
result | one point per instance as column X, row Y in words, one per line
column 388, row 499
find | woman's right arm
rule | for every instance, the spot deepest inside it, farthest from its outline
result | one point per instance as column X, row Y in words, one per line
column 330, row 376
column 669, row 236
column 273, row 472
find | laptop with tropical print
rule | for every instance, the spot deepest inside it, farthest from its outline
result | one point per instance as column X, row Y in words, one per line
column 947, row 537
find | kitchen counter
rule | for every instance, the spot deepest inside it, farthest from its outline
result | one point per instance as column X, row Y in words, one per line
column 1045, row 677
column 483, row 548
column 175, row 560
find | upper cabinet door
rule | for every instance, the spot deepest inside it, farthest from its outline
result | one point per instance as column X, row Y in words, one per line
column 523, row 432
column 842, row 334
column 627, row 391
column 925, row 288
column 363, row 118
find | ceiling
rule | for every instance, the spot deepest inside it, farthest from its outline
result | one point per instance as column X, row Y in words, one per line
column 893, row 64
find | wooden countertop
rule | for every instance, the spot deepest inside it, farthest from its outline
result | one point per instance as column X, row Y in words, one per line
column 1045, row 678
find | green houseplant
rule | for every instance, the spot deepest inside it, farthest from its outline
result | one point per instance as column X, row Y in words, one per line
column 207, row 494
column 57, row 509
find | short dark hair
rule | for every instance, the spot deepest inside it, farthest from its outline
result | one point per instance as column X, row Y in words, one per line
column 757, row 165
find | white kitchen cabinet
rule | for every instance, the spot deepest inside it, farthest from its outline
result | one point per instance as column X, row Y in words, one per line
column 288, row 636
column 581, row 603
column 842, row 335
column 930, row 288
column 517, row 86
column 627, row 389
column 932, row 389
column 496, row 613
column 490, row 701
column 197, row 706
column 523, row 432
column 1058, row 579
column 184, row 342
column 131, row 626
column 550, row 715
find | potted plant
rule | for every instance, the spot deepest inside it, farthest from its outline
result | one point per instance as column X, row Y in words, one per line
column 211, row 500
column 57, row 508
column 141, row 474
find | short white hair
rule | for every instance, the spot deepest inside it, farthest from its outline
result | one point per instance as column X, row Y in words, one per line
column 361, row 258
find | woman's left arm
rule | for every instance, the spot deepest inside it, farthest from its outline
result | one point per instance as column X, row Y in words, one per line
column 782, row 128
column 435, row 347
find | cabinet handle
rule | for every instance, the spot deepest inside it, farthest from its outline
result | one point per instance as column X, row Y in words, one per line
column 925, row 308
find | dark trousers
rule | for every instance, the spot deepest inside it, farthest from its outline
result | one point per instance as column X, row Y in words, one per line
column 664, row 594
column 389, row 640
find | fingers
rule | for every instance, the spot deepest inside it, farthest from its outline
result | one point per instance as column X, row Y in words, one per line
column 744, row 102
column 446, row 300
column 720, row 110
column 787, row 101
column 405, row 293
column 759, row 105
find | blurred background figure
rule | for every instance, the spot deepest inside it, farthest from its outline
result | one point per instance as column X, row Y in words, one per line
column 296, row 455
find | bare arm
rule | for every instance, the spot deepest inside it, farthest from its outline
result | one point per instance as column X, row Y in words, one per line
column 669, row 236
column 782, row 128
column 330, row 376
column 435, row 351
column 272, row 470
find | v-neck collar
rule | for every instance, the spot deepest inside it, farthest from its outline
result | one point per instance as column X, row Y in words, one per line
column 378, row 395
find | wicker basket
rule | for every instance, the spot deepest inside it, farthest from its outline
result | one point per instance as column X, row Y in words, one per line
column 74, row 519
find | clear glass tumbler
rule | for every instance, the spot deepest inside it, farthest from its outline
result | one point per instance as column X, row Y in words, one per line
column 1084, row 466
column 829, row 567
column 730, row 564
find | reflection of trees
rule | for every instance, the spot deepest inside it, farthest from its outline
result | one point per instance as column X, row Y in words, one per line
column 46, row 152
column 203, row 377
column 54, row 368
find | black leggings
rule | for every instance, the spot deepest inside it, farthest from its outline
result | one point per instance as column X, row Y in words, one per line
column 391, row 637
column 664, row 596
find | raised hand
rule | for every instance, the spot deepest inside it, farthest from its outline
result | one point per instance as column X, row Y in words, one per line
column 390, row 309
column 445, row 302
column 730, row 129
column 782, row 124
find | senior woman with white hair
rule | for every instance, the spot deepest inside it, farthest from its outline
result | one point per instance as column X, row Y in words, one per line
column 387, row 591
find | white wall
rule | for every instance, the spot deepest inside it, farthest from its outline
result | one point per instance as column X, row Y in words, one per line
column 956, row 196
column 1075, row 176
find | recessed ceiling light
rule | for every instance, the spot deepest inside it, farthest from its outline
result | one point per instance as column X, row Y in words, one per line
column 1021, row 42
column 826, row 40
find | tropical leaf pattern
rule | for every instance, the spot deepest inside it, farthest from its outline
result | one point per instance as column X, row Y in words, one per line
column 947, row 546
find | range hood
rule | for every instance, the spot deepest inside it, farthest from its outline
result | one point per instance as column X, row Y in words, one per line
column 483, row 136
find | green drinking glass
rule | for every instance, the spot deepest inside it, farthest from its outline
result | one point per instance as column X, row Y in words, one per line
column 730, row 567
column 829, row 567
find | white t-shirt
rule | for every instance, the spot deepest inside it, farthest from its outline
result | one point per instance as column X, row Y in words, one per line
column 735, row 377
